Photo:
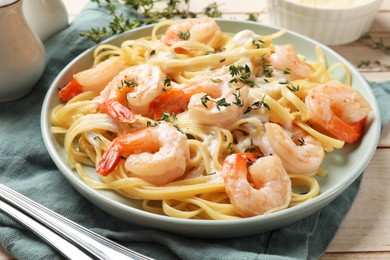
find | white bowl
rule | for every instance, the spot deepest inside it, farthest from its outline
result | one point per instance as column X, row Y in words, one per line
column 344, row 165
column 327, row 25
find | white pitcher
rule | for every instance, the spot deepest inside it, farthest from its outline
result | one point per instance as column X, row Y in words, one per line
column 22, row 55
column 45, row 17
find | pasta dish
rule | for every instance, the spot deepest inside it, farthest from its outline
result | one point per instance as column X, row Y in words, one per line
column 199, row 123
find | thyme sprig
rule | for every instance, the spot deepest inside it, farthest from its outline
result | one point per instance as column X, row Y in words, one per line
column 184, row 36
column 219, row 103
column 166, row 117
column 371, row 64
column 376, row 43
column 147, row 13
column 253, row 17
column 212, row 10
column 266, row 65
column 241, row 74
column 128, row 84
column 258, row 104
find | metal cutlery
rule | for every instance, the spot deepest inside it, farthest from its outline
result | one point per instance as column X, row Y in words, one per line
column 94, row 245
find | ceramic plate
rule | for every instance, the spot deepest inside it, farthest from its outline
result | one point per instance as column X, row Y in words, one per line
column 344, row 165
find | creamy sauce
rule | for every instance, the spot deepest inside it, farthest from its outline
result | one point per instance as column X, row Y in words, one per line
column 334, row 3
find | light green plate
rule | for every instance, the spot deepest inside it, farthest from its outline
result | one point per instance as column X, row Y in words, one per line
column 344, row 165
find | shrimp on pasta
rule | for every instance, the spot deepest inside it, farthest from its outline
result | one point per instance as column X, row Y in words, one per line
column 339, row 109
column 271, row 187
column 93, row 79
column 156, row 154
column 286, row 60
column 202, row 30
column 175, row 100
column 299, row 152
column 131, row 91
column 222, row 109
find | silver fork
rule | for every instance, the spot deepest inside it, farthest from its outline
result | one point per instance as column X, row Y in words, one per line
column 95, row 245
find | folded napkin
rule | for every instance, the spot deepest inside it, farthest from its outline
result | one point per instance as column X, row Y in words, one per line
column 27, row 167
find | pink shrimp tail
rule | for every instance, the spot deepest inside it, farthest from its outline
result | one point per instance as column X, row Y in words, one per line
column 116, row 110
column 71, row 90
column 109, row 161
column 173, row 101
column 238, row 162
column 348, row 133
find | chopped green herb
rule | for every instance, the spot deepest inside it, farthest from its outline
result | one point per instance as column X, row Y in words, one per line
column 167, row 82
column 167, row 117
column 257, row 104
column 190, row 136
column 258, row 43
column 249, row 162
column 238, row 102
column 216, row 80
column 251, row 148
column 292, row 87
column 266, row 65
column 230, row 148
column 151, row 124
column 184, row 36
column 210, row 52
column 268, row 72
column 253, row 17
column 204, row 100
column 212, row 10
column 128, row 83
column 177, row 127
column 221, row 103
column 241, row 74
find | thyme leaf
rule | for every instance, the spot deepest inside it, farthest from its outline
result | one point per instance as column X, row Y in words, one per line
column 258, row 104
column 253, row 17
column 147, row 14
column 212, row 10
column 184, row 36
column 241, row 74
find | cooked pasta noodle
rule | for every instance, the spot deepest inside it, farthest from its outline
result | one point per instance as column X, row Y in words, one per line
column 245, row 80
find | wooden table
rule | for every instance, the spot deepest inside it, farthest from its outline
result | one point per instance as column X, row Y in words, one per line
column 365, row 232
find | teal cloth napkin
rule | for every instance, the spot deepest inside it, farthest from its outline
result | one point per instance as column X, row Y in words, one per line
column 26, row 167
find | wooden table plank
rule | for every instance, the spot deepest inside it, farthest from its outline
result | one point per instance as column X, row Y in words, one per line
column 357, row 256
column 364, row 227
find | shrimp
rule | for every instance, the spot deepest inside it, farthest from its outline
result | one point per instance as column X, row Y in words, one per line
column 222, row 109
column 138, row 85
column 93, row 79
column 286, row 60
column 201, row 30
column 299, row 152
column 339, row 109
column 156, row 154
column 175, row 100
column 270, row 190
